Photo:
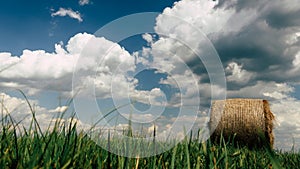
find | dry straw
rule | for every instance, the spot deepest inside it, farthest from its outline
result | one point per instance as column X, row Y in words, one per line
column 249, row 121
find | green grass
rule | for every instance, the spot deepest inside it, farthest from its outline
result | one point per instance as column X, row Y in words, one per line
column 64, row 146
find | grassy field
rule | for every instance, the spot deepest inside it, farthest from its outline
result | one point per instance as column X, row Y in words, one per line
column 64, row 147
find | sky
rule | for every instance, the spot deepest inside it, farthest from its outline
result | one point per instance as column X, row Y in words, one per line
column 34, row 26
column 197, row 50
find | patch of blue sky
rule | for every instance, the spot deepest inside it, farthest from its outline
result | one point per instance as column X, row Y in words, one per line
column 296, row 93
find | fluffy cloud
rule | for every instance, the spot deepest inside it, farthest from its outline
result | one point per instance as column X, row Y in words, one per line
column 98, row 64
column 254, row 49
column 197, row 13
column 37, row 64
column 37, row 70
column 237, row 74
column 84, row 2
column 258, row 44
column 148, row 37
column 296, row 61
column 59, row 109
column 242, row 32
column 175, row 51
column 21, row 113
column 68, row 12
column 34, row 65
column 265, row 44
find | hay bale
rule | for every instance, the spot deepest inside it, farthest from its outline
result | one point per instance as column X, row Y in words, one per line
column 250, row 121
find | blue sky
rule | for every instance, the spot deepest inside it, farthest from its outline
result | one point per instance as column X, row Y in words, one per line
column 32, row 26
column 245, row 44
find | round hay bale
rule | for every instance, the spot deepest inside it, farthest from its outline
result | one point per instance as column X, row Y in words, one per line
column 249, row 121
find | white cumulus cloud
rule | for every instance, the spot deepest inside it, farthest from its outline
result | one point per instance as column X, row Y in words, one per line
column 20, row 111
column 237, row 73
column 68, row 12
column 97, row 62
column 59, row 109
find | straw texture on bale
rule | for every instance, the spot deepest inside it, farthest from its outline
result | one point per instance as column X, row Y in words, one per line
column 249, row 121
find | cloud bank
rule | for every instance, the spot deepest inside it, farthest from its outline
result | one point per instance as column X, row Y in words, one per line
column 258, row 43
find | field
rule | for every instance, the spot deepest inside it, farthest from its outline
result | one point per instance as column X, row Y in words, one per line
column 65, row 147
